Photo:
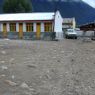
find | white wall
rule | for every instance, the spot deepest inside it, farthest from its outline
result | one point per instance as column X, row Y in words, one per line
column 24, row 27
column 42, row 26
column 58, row 25
column 34, row 25
column 17, row 27
column 1, row 27
column 8, row 27
column 88, row 33
column 74, row 23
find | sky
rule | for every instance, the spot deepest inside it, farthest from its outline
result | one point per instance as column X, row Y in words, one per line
column 90, row 2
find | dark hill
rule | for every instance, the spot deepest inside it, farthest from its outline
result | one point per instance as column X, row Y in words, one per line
column 68, row 8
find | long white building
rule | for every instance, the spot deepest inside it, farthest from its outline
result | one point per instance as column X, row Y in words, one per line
column 21, row 24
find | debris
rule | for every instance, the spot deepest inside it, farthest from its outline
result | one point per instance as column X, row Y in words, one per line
column 24, row 85
column 4, row 67
column 31, row 66
column 10, row 83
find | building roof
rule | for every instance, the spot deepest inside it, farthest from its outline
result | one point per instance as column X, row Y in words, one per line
column 27, row 16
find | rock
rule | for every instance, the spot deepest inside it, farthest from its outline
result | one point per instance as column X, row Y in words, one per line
column 7, row 39
column 13, row 76
column 72, row 60
column 87, row 39
column 27, row 93
column 31, row 66
column 54, row 57
column 2, row 62
column 58, row 61
column 62, row 52
column 2, row 75
column 24, row 85
column 4, row 67
column 3, row 52
column 10, row 83
column 11, row 60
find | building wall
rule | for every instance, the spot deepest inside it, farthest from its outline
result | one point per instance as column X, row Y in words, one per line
column 24, row 26
column 58, row 25
column 17, row 27
column 69, row 23
column 74, row 23
column 1, row 27
column 24, row 29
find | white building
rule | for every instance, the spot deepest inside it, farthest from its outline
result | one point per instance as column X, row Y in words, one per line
column 33, row 23
column 69, row 23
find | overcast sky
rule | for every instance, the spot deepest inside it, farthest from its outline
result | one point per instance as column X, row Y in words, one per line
column 91, row 2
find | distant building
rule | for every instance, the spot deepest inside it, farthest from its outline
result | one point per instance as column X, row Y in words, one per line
column 68, row 23
column 31, row 25
column 88, row 27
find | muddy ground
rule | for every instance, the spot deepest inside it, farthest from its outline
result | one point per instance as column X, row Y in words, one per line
column 47, row 67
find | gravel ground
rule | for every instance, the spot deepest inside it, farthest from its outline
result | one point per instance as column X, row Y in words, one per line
column 47, row 67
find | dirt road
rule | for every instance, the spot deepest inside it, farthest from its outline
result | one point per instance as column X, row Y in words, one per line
column 47, row 67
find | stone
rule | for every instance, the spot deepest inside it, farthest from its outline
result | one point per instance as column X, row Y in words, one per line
column 10, row 83
column 2, row 62
column 31, row 66
column 7, row 39
column 1, row 76
column 11, row 60
column 62, row 52
column 3, row 52
column 4, row 67
column 13, row 77
column 24, row 85
column 72, row 60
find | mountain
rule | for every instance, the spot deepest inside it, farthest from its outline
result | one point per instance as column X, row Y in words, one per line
column 68, row 8
column 83, row 12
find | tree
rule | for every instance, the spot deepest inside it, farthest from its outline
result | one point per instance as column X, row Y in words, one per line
column 17, row 6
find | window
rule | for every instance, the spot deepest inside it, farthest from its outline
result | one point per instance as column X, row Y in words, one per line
column 13, row 27
column 29, row 27
column 48, row 27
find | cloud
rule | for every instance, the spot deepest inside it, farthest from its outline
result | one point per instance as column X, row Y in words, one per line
column 66, row 0
column 90, row 2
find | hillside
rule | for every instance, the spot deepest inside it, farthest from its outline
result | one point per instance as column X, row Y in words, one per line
column 68, row 8
column 80, row 10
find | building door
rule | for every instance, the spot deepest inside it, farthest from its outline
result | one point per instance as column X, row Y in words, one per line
column 4, row 29
column 20, row 30
column 38, row 30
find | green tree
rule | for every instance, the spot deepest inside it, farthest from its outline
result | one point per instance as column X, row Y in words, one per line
column 17, row 6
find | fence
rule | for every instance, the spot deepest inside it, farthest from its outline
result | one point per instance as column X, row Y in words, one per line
column 86, row 34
